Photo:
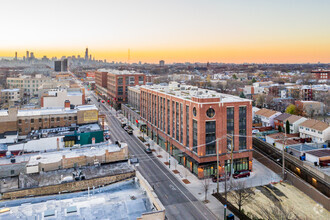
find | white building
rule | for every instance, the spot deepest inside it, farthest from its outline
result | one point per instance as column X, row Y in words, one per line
column 10, row 95
column 317, row 130
column 266, row 116
column 294, row 121
column 57, row 97
column 27, row 84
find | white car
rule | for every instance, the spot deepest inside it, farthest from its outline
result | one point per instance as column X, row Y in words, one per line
column 255, row 131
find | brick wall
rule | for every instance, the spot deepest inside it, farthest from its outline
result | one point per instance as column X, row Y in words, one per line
column 68, row 187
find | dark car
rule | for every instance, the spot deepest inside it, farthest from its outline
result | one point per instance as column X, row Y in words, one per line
column 99, row 100
column 241, row 174
column 148, row 150
column 221, row 178
column 107, row 137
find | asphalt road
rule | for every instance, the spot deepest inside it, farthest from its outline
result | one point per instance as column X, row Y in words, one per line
column 178, row 201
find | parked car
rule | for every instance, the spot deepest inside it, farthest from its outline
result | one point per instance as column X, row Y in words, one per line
column 241, row 174
column 103, row 101
column 98, row 100
column 255, row 131
column 148, row 150
column 221, row 178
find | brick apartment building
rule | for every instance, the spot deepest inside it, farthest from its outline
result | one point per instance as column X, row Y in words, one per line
column 118, row 82
column 101, row 82
column 187, row 122
column 321, row 74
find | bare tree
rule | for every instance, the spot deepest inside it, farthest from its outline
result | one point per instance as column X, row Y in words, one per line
column 206, row 186
column 240, row 193
column 274, row 212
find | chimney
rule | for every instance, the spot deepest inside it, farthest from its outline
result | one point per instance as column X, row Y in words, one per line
column 67, row 104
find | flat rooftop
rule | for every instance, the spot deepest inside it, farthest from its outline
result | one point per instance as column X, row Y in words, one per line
column 119, row 72
column 56, row 156
column 123, row 200
column 303, row 147
column 187, row 92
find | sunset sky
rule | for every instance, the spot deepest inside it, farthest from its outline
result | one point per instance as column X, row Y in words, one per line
column 281, row 31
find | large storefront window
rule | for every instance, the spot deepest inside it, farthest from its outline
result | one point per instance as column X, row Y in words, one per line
column 210, row 170
column 238, row 164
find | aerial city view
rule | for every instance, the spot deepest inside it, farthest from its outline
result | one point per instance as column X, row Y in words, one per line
column 154, row 110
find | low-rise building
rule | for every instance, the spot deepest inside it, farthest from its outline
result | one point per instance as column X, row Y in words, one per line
column 280, row 119
column 294, row 121
column 88, row 156
column 318, row 131
column 319, row 157
column 10, row 96
column 266, row 117
column 312, row 108
column 26, row 120
column 56, row 97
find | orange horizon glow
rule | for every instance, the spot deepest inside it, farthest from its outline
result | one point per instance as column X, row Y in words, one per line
column 240, row 31
column 203, row 55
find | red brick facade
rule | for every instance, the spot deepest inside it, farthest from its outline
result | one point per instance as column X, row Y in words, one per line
column 199, row 158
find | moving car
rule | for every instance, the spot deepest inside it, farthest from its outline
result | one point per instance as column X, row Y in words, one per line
column 241, row 174
column 103, row 101
column 148, row 150
column 107, row 137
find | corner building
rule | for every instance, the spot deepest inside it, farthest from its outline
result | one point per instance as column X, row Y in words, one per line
column 187, row 122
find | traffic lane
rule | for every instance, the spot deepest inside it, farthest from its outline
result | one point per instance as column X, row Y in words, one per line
column 169, row 187
column 199, row 210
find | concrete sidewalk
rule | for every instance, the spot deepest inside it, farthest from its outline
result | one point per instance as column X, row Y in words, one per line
column 261, row 175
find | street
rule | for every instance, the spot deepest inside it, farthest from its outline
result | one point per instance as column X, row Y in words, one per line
column 178, row 201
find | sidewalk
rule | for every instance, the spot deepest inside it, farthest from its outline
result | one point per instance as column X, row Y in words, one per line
column 195, row 186
column 261, row 175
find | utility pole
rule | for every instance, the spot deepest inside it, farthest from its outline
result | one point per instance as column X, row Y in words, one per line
column 231, row 156
column 283, row 156
column 225, row 206
column 217, row 166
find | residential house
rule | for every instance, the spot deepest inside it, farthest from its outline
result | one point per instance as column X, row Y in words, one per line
column 266, row 116
column 294, row 121
column 317, row 130
column 279, row 120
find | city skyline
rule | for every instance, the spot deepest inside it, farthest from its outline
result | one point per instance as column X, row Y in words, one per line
column 185, row 31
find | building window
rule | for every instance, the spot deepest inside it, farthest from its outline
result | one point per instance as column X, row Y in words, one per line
column 70, row 118
column 210, row 113
column 242, row 128
column 195, row 135
column 32, row 120
column 194, row 111
column 40, row 120
column 58, row 119
column 120, row 80
column 120, row 90
column 75, row 118
column 230, row 123
column 52, row 119
column 19, row 121
column 210, row 137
